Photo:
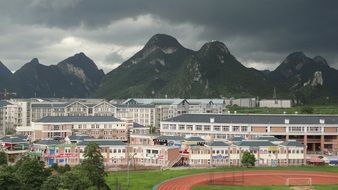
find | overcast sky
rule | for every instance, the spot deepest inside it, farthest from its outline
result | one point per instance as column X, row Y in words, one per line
column 260, row 33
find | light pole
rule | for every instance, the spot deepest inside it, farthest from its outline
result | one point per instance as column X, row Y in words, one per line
column 129, row 160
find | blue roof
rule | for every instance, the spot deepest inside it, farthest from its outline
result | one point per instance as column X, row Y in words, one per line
column 174, row 138
column 255, row 118
column 13, row 139
column 137, row 125
column 269, row 138
column 198, row 139
column 48, row 142
column 4, row 103
column 292, row 143
column 65, row 119
column 255, row 143
column 79, row 137
column 217, row 143
column 101, row 142
column 236, row 138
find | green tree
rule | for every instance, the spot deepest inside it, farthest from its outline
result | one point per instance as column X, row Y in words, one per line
column 31, row 172
column 8, row 180
column 75, row 180
column 10, row 132
column 60, row 169
column 248, row 159
column 3, row 158
column 93, row 165
column 307, row 110
column 52, row 183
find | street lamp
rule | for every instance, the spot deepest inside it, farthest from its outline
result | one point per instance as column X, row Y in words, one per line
column 129, row 160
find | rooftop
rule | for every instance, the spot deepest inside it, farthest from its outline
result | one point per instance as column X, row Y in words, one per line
column 292, row 143
column 48, row 142
column 137, row 125
column 255, row 119
column 174, row 138
column 102, row 142
column 79, row 137
column 217, row 143
column 269, row 138
column 255, row 143
column 197, row 139
column 4, row 103
column 236, row 138
column 66, row 119
column 14, row 139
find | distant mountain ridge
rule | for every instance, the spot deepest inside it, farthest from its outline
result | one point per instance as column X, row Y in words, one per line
column 76, row 76
column 306, row 79
column 165, row 68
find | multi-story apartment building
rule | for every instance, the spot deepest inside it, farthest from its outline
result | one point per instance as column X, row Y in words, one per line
column 160, row 151
column 3, row 108
column 147, row 112
column 318, row 132
column 168, row 108
column 138, row 113
column 13, row 114
column 20, row 112
column 40, row 110
column 114, row 152
column 218, row 153
column 106, row 127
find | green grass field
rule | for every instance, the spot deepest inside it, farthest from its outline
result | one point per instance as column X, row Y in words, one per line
column 140, row 180
column 327, row 109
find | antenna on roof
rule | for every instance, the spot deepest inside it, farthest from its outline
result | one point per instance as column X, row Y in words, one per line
column 274, row 96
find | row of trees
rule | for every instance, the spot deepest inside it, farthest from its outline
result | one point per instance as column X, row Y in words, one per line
column 31, row 174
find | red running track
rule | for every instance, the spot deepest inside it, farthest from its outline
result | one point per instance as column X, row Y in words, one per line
column 247, row 178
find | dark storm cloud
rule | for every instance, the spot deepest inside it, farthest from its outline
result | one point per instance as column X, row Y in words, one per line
column 258, row 32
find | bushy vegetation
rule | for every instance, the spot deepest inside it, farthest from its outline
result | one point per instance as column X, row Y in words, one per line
column 31, row 174
column 248, row 159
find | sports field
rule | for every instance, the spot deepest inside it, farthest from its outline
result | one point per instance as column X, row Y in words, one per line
column 256, row 178
column 140, row 180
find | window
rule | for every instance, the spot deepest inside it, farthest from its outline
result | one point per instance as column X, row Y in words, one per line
column 165, row 126
column 225, row 128
column 314, row 129
column 206, row 128
column 217, row 128
column 172, row 127
column 198, row 127
column 189, row 127
column 181, row 127
column 244, row 128
column 56, row 127
column 296, row 129
column 236, row 128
